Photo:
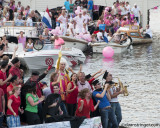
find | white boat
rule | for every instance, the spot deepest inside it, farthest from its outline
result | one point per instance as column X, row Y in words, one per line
column 74, row 42
column 47, row 56
column 99, row 46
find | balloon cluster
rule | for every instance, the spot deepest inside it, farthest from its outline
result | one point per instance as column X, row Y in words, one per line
column 56, row 31
column 86, row 37
column 78, row 10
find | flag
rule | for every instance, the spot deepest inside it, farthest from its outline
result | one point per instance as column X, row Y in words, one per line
column 47, row 18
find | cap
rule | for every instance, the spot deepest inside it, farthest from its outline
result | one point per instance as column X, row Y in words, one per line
column 35, row 73
column 88, row 76
column 15, row 60
column 105, row 74
column 63, row 8
column 95, row 82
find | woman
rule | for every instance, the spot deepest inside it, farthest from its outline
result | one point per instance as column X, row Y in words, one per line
column 29, row 46
column 54, row 79
column 4, row 41
column 62, row 19
column 72, row 91
column 85, row 104
column 64, row 79
column 32, row 101
column 14, row 102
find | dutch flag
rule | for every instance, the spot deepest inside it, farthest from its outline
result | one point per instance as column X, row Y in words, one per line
column 47, row 19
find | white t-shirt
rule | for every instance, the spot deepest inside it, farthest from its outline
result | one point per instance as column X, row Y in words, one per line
column 123, row 11
column 29, row 22
column 135, row 11
column 62, row 19
column 113, row 99
column 86, row 18
column 128, row 8
column 79, row 24
column 149, row 32
column 30, row 45
column 99, row 35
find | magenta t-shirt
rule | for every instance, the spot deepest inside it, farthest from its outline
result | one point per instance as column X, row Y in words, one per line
column 58, row 42
column 22, row 40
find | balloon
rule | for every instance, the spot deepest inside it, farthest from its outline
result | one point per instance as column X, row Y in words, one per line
column 77, row 12
column 78, row 8
column 108, row 52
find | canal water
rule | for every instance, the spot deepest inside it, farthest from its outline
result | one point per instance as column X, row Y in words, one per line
column 140, row 70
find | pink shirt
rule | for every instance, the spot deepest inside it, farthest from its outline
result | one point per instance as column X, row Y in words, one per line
column 58, row 42
column 22, row 40
column 107, row 22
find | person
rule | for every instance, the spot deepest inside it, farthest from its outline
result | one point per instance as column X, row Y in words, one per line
column 29, row 46
column 3, row 77
column 54, row 79
column 15, row 69
column 62, row 19
column 61, row 69
column 136, row 11
column 13, row 83
column 79, row 23
column 124, row 38
column 2, row 107
column 52, row 105
column 114, row 93
column 46, row 37
column 19, row 21
column 32, row 101
column 84, row 4
column 14, row 102
column 4, row 41
column 72, row 94
column 71, row 28
column 116, row 37
column 90, row 8
column 22, row 40
column 2, row 48
column 106, row 112
column 29, row 21
column 58, row 42
column 85, row 104
column 67, row 5
column 128, row 7
column 82, row 83
column 148, row 32
column 45, row 89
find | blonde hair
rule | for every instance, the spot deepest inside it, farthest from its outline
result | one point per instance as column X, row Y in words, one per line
column 63, row 60
column 15, row 88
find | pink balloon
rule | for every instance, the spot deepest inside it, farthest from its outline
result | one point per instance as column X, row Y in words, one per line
column 77, row 12
column 108, row 52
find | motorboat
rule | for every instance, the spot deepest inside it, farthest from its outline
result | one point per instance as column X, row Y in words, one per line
column 118, row 48
column 46, row 56
column 74, row 42
column 134, row 32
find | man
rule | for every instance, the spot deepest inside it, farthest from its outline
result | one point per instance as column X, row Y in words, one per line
column 35, row 78
column 106, row 111
column 15, row 69
column 2, row 107
column 19, row 21
column 29, row 21
column 79, row 23
column 84, row 4
column 114, row 92
column 136, row 11
column 86, row 18
column 148, row 32
column 52, row 106
column 67, row 5
column 3, row 77
column 90, row 8
column 82, row 83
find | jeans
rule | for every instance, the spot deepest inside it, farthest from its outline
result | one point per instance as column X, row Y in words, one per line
column 91, row 13
column 13, row 121
column 117, row 111
column 40, row 112
column 63, row 108
column 1, row 119
column 108, row 115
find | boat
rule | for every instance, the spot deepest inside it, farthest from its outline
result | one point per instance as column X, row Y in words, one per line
column 74, row 42
column 134, row 32
column 12, row 32
column 46, row 56
column 99, row 46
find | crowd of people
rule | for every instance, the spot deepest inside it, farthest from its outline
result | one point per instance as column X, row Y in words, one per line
column 64, row 97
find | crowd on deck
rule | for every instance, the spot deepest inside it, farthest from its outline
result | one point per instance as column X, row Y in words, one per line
column 64, row 96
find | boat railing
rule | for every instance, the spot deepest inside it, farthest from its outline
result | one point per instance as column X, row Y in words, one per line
column 9, row 28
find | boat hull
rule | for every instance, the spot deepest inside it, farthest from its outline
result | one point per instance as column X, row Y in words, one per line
column 98, row 47
column 137, row 41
